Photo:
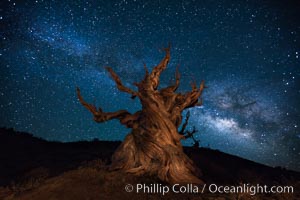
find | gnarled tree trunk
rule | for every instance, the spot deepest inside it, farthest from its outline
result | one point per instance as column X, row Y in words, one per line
column 153, row 146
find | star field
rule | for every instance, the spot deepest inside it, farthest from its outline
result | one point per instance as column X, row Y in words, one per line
column 248, row 53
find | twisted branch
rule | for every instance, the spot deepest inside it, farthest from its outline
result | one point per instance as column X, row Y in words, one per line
column 155, row 74
column 99, row 116
column 118, row 81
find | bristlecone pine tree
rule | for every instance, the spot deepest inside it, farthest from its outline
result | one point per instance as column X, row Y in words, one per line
column 153, row 146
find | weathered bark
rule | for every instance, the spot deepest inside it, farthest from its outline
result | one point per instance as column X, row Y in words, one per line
column 153, row 146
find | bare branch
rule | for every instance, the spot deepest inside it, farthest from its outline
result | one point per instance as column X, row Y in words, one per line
column 172, row 88
column 177, row 78
column 118, row 81
column 90, row 107
column 155, row 74
column 185, row 123
column 187, row 133
column 191, row 99
column 99, row 116
column 190, row 134
column 146, row 70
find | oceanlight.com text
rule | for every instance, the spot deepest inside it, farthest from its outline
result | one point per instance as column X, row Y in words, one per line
column 210, row 188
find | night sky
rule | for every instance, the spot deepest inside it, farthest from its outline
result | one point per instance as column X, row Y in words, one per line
column 248, row 52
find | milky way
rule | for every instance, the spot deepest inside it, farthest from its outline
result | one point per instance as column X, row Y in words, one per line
column 247, row 52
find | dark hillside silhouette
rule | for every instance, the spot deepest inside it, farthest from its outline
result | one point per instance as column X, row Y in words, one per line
column 20, row 153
